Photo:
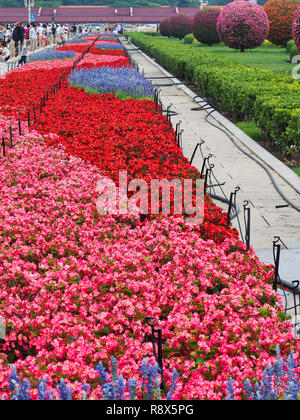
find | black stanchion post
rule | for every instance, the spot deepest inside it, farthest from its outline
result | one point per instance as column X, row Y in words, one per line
column 156, row 337
column 11, row 137
column 247, row 216
column 3, row 146
column 203, row 167
column 276, row 252
column 34, row 113
column 207, row 175
column 230, row 207
column 177, row 131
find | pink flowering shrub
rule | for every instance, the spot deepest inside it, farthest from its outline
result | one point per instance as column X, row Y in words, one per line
column 243, row 25
column 296, row 29
column 179, row 25
column 205, row 26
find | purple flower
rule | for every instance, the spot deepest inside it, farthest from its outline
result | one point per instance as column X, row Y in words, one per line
column 124, row 81
column 52, row 55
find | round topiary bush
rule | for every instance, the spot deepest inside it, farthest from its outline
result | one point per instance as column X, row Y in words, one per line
column 281, row 14
column 188, row 39
column 179, row 25
column 243, row 25
column 205, row 26
column 163, row 27
column 296, row 29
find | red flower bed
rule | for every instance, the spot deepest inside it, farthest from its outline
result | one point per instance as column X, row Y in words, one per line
column 130, row 137
column 22, row 89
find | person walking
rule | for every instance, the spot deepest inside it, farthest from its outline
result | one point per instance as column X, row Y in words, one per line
column 49, row 33
column 24, row 52
column 18, row 36
column 39, row 32
column 54, row 30
column 27, row 29
column 7, row 34
column 33, row 37
column 4, row 52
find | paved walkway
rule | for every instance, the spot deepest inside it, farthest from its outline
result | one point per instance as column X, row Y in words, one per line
column 234, row 168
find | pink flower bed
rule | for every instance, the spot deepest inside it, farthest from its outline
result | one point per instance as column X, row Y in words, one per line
column 76, row 287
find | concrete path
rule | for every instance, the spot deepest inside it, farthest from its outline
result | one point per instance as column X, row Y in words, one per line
column 234, row 168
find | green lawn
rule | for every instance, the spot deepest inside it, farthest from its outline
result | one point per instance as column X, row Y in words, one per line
column 273, row 58
column 297, row 170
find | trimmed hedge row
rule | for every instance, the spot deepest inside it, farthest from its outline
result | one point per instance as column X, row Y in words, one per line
column 247, row 93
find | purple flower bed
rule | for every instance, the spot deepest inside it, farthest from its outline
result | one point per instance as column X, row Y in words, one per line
column 110, row 46
column 78, row 41
column 52, row 55
column 113, row 386
column 124, row 82
column 280, row 381
column 108, row 38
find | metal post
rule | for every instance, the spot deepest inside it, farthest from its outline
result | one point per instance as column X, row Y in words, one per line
column 230, row 207
column 207, row 175
column 247, row 217
column 29, row 4
column 11, row 137
column 277, row 251
column 156, row 337
column 3, row 146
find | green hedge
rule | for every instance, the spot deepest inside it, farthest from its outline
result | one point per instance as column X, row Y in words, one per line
column 269, row 98
column 188, row 39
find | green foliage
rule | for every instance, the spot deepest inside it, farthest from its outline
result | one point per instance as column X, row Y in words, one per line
column 290, row 44
column 188, row 39
column 293, row 52
column 251, row 129
column 269, row 98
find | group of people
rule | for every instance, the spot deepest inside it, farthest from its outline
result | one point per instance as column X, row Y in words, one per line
column 115, row 29
column 16, row 40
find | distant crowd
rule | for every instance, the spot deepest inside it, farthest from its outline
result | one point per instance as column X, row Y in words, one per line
column 16, row 40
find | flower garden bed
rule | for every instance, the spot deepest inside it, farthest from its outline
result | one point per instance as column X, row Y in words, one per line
column 76, row 287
